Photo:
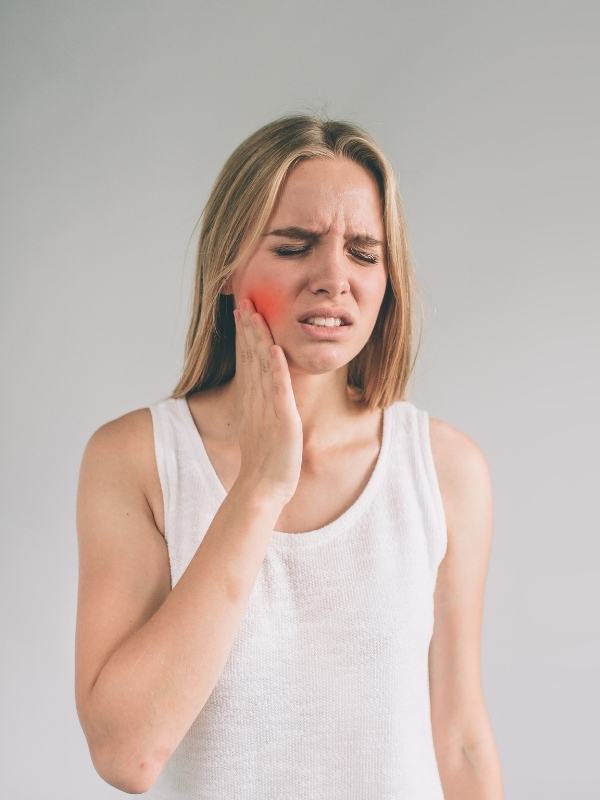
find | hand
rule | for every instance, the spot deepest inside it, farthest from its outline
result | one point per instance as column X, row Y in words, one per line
column 270, row 433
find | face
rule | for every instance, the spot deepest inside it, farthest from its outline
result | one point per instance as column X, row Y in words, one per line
column 336, row 202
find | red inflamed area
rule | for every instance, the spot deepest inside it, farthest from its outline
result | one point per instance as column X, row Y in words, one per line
column 268, row 304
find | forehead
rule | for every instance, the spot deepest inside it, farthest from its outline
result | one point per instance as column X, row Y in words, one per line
column 319, row 193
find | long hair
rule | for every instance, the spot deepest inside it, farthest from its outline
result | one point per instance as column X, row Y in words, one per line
column 236, row 213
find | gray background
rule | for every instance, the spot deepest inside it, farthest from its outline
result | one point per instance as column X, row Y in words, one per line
column 116, row 120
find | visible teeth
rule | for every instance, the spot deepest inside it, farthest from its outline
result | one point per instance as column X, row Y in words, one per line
column 330, row 322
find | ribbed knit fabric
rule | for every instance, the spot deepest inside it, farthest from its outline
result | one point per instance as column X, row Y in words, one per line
column 325, row 694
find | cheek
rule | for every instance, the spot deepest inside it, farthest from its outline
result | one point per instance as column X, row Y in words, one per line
column 268, row 302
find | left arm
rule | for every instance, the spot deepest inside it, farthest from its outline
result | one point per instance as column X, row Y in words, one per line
column 464, row 742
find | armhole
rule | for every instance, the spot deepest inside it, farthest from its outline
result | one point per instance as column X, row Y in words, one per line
column 435, row 494
column 161, row 465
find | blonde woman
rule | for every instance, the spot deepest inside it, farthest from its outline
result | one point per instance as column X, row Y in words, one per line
column 282, row 563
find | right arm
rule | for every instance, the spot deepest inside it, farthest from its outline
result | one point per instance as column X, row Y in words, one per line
column 146, row 667
column 147, row 656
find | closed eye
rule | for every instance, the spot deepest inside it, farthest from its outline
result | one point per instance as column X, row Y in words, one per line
column 371, row 258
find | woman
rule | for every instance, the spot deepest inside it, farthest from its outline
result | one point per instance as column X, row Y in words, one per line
column 282, row 564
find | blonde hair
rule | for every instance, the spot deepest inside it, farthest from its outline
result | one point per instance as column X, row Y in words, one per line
column 236, row 213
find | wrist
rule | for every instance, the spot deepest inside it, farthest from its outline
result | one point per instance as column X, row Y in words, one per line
column 259, row 497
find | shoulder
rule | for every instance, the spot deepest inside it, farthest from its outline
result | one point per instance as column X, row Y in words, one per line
column 463, row 472
column 126, row 442
column 124, row 433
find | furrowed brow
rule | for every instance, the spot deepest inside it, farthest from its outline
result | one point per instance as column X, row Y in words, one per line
column 307, row 235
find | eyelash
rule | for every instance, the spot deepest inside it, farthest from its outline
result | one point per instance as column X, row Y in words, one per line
column 286, row 251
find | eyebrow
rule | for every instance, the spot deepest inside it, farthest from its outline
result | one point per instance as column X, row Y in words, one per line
column 304, row 234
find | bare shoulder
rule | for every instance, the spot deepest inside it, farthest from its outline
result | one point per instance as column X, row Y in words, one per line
column 129, row 440
column 126, row 426
column 128, row 436
column 462, row 469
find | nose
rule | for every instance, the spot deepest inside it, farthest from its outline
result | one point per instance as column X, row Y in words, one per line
column 329, row 269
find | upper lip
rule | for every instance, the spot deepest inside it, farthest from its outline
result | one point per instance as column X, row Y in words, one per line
column 324, row 311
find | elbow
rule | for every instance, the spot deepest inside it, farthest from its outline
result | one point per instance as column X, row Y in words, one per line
column 123, row 755
column 128, row 772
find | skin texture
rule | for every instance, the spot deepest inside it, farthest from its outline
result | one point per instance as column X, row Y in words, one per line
column 337, row 198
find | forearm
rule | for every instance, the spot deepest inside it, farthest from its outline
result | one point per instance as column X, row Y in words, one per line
column 472, row 771
column 157, row 682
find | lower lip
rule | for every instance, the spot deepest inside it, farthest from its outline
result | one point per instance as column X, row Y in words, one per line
column 326, row 332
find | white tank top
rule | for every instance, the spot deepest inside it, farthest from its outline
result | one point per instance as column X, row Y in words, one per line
column 325, row 694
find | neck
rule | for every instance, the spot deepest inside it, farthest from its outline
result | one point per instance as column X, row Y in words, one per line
column 325, row 404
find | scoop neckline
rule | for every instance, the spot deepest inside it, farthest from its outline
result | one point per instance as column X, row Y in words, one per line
column 290, row 540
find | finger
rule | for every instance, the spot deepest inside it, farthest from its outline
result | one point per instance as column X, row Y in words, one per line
column 264, row 341
column 243, row 356
column 252, row 359
column 284, row 402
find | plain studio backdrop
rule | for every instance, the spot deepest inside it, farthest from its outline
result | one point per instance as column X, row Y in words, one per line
column 117, row 118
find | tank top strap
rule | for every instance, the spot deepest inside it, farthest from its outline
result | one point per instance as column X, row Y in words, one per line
column 164, row 424
column 415, row 455
column 189, row 498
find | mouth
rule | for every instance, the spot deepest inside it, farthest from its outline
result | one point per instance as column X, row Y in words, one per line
column 325, row 331
column 326, row 311
column 343, row 323
column 344, row 320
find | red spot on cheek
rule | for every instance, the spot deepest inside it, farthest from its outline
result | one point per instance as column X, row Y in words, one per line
column 268, row 303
